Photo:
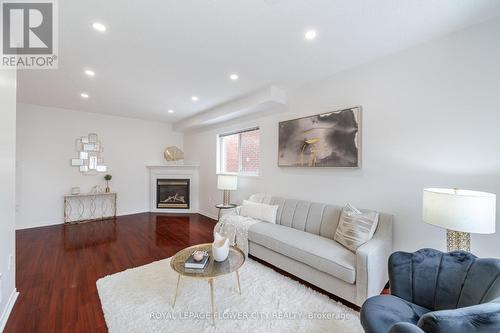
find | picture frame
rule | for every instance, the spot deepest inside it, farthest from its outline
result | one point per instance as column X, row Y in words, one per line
column 326, row 140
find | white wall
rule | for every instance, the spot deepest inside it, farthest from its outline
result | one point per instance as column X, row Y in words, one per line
column 46, row 143
column 431, row 117
column 7, row 192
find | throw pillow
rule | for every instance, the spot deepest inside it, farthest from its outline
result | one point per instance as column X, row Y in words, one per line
column 259, row 211
column 260, row 198
column 355, row 227
column 257, row 197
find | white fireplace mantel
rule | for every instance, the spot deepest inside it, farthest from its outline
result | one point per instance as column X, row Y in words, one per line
column 174, row 172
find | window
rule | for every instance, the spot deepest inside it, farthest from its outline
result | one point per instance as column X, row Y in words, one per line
column 238, row 152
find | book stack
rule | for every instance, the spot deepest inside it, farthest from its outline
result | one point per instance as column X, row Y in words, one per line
column 193, row 265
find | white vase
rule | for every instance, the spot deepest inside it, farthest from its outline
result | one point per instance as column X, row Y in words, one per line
column 220, row 247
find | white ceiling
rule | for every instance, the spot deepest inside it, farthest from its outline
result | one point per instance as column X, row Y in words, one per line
column 155, row 55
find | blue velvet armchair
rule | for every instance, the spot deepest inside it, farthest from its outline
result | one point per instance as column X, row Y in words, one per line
column 436, row 292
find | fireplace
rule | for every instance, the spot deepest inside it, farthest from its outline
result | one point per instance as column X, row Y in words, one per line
column 173, row 173
column 172, row 193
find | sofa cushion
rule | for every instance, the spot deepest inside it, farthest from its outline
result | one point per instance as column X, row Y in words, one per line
column 259, row 211
column 380, row 313
column 260, row 198
column 312, row 217
column 355, row 227
column 321, row 253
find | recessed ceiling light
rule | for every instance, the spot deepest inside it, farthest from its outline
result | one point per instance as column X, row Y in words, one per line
column 84, row 95
column 310, row 34
column 194, row 98
column 89, row 72
column 234, row 77
column 99, row 26
column 170, row 111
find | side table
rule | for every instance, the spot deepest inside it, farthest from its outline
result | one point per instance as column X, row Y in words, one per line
column 222, row 206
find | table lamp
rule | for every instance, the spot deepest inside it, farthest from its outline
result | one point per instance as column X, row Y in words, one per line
column 227, row 183
column 460, row 212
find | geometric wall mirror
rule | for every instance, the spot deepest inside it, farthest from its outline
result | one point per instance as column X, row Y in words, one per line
column 89, row 160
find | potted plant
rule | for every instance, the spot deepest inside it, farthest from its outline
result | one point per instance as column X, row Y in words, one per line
column 107, row 178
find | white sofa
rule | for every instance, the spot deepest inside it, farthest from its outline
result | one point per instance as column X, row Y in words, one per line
column 301, row 243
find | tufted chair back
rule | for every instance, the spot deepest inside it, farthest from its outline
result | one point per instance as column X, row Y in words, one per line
column 441, row 281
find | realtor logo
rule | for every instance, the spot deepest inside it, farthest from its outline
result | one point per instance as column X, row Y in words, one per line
column 29, row 34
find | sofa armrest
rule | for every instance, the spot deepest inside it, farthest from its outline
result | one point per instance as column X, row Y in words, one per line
column 405, row 328
column 484, row 318
column 371, row 261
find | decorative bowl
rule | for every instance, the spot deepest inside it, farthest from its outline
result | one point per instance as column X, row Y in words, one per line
column 198, row 255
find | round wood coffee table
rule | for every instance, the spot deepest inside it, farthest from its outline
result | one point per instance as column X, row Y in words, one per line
column 213, row 269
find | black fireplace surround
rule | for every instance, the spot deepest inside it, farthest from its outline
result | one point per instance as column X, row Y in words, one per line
column 172, row 193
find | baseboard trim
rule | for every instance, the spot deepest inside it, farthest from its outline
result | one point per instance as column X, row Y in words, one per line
column 209, row 215
column 41, row 224
column 8, row 309
column 59, row 221
column 48, row 224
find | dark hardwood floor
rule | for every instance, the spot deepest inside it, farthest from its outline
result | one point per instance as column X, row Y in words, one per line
column 57, row 266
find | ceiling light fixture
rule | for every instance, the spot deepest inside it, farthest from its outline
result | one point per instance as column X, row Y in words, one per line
column 89, row 72
column 84, row 95
column 170, row 111
column 234, row 77
column 194, row 98
column 99, row 26
column 310, row 34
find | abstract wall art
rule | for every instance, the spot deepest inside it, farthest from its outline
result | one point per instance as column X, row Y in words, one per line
column 325, row 140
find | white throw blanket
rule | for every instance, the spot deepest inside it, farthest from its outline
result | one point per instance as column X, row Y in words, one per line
column 235, row 227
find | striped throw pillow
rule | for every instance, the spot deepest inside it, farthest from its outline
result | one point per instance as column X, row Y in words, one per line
column 355, row 227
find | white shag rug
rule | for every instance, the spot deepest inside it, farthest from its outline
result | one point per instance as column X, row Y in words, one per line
column 140, row 300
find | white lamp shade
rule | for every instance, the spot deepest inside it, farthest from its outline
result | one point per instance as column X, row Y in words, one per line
column 227, row 182
column 460, row 210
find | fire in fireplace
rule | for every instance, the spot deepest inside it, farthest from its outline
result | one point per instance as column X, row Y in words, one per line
column 172, row 193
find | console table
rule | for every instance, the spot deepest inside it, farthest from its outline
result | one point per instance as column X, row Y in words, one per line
column 87, row 207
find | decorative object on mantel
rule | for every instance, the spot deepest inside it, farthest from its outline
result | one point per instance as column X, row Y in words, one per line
column 461, row 212
column 89, row 161
column 75, row 190
column 227, row 183
column 107, row 178
column 173, row 154
column 89, row 207
column 325, row 140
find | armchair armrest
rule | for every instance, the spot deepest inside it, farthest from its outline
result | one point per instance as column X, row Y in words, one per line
column 484, row 318
column 405, row 328
column 371, row 261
